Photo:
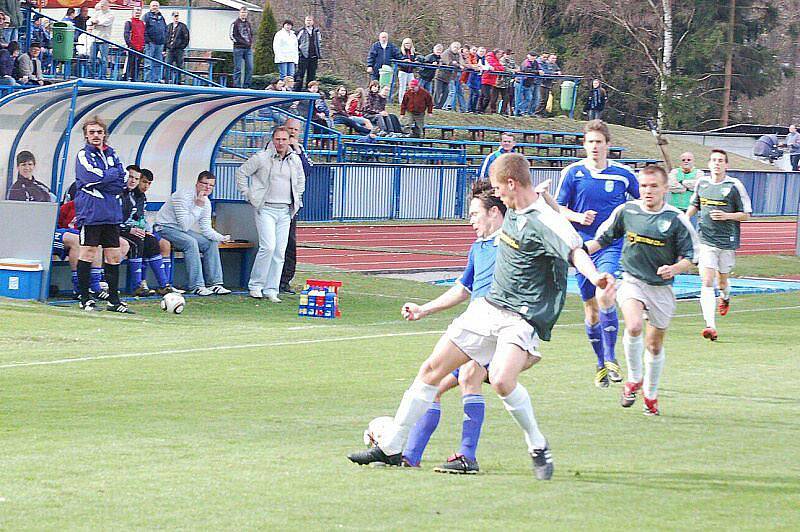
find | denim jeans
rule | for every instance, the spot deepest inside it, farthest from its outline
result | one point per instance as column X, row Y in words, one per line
column 536, row 98
column 193, row 244
column 455, row 95
column 153, row 72
column 523, row 97
column 272, row 224
column 242, row 60
column 426, row 84
column 286, row 69
column 98, row 70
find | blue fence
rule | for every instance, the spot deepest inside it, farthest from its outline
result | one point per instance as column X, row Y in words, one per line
column 772, row 193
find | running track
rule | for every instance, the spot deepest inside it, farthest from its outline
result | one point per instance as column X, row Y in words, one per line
column 375, row 248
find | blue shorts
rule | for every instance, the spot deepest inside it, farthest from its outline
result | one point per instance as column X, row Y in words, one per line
column 486, row 367
column 58, row 242
column 606, row 261
column 157, row 236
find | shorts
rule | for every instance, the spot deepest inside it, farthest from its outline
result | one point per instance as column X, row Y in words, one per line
column 58, row 242
column 606, row 261
column 659, row 301
column 718, row 259
column 106, row 235
column 483, row 327
column 456, row 372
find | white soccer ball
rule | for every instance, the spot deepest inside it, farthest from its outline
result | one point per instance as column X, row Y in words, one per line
column 173, row 303
column 376, row 429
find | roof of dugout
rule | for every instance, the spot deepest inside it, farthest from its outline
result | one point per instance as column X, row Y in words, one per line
column 173, row 130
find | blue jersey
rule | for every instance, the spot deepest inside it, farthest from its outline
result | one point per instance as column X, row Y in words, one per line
column 477, row 276
column 582, row 189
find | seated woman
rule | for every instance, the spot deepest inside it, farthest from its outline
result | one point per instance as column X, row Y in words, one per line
column 355, row 106
column 375, row 109
column 27, row 187
column 340, row 115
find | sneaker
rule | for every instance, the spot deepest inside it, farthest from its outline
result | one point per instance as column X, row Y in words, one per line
column 256, row 294
column 374, row 454
column 629, row 393
column 201, row 291
column 651, row 407
column 406, row 463
column 458, row 464
column 102, row 294
column 143, row 291
column 614, row 372
column 724, row 306
column 543, row 463
column 274, row 298
column 287, row 290
column 120, row 307
column 601, row 378
column 219, row 290
column 89, row 305
column 710, row 334
column 168, row 289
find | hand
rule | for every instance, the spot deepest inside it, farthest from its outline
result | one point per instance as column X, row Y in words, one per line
column 226, row 238
column 666, row 272
column 587, row 218
column 543, row 187
column 137, row 232
column 412, row 312
column 718, row 215
column 604, row 281
column 369, row 70
column 689, row 184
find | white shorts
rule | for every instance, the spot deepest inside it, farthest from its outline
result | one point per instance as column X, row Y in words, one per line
column 483, row 327
column 721, row 260
column 659, row 301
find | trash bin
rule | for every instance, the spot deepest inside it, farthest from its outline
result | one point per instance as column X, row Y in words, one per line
column 63, row 41
column 567, row 94
column 385, row 75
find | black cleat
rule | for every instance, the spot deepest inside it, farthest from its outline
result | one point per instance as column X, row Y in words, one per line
column 543, row 463
column 458, row 464
column 374, row 454
column 287, row 290
column 89, row 306
column 613, row 371
column 119, row 307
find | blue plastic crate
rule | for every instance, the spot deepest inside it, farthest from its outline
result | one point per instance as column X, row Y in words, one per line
column 20, row 283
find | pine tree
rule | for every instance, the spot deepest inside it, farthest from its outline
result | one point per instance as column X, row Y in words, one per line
column 263, row 54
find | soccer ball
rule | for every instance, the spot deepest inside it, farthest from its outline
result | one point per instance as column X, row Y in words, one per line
column 376, row 429
column 173, row 303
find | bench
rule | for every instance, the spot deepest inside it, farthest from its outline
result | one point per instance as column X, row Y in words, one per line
column 478, row 132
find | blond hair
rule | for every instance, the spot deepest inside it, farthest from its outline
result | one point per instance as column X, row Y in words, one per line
column 512, row 166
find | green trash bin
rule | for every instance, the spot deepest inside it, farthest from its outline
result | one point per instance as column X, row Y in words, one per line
column 385, row 75
column 63, row 41
column 567, row 95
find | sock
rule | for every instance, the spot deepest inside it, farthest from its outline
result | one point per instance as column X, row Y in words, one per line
column 84, row 274
column 653, row 365
column 518, row 404
column 609, row 323
column 595, row 334
column 474, row 410
column 157, row 265
column 708, row 303
column 167, row 262
column 420, row 435
column 416, row 401
column 634, row 347
column 136, row 271
column 112, row 278
column 75, row 284
column 726, row 292
column 96, row 277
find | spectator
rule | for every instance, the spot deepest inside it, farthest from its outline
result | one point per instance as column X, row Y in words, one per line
column 134, row 39
column 242, row 37
column 793, row 143
column 309, row 41
column 187, row 209
column 155, row 36
column 70, row 16
column 27, row 187
column 426, row 74
column 537, row 84
column 177, row 41
column 82, row 48
column 8, row 58
column 469, row 65
column 286, row 48
column 81, row 19
column 375, row 105
column 489, row 91
column 487, row 79
column 4, row 25
column 290, row 257
column 416, row 102
column 549, row 68
column 41, row 34
column 341, row 116
column 405, row 73
column 683, row 180
column 14, row 20
column 103, row 23
column 455, row 95
column 273, row 182
column 441, row 80
column 473, row 80
column 503, row 86
column 523, row 95
column 160, row 261
column 355, row 106
column 507, row 145
column 29, row 68
column 381, row 53
column 322, row 113
column 596, row 101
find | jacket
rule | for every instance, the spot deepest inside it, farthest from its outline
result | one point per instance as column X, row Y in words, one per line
column 596, row 101
column 6, row 63
column 448, row 59
column 103, row 23
column 406, row 55
column 417, row 102
column 339, row 106
column 258, row 171
column 354, row 107
column 241, row 34
column 286, row 47
column 66, row 216
column 155, row 28
column 379, row 56
column 494, row 64
column 177, row 36
column 376, row 104
column 100, row 179
column 504, row 82
column 304, row 42
column 428, row 73
column 26, row 66
column 134, row 34
column 133, row 204
column 29, row 190
column 179, row 212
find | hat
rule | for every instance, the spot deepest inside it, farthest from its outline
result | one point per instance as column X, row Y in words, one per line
column 413, row 83
column 534, row 54
column 509, row 51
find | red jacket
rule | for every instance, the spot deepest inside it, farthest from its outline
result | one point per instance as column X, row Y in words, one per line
column 416, row 102
column 66, row 216
column 492, row 61
column 134, row 34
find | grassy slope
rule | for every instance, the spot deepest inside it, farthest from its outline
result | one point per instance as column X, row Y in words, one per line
column 255, row 436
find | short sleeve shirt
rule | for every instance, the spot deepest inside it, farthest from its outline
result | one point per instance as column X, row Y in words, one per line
column 478, row 274
column 729, row 195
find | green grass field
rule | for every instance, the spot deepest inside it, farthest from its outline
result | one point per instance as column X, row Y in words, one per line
column 239, row 415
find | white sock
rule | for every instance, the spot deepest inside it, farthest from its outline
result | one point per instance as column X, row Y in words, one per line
column 708, row 303
column 416, row 401
column 518, row 404
column 653, row 365
column 726, row 292
column 634, row 348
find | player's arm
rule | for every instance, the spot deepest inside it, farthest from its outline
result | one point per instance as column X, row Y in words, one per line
column 583, row 263
column 564, row 195
column 668, row 271
column 455, row 295
column 609, row 232
column 719, row 215
column 583, row 218
column 543, row 189
column 687, row 246
column 694, row 201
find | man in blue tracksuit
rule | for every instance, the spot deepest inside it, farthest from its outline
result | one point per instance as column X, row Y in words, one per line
column 99, row 180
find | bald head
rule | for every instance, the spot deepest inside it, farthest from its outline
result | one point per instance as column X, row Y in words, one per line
column 293, row 125
column 687, row 161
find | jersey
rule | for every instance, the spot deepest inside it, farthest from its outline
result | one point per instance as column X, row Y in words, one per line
column 487, row 163
column 729, row 195
column 530, row 274
column 581, row 189
column 681, row 197
column 652, row 239
column 477, row 276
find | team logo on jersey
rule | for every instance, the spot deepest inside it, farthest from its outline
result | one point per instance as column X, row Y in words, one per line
column 663, row 225
column 508, row 240
column 609, row 186
column 580, row 173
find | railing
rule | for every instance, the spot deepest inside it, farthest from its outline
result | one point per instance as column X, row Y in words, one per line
column 376, row 152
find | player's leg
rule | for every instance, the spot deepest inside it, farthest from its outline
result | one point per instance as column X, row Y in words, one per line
column 113, row 248
column 152, row 257
column 708, row 264
column 632, row 340
column 607, row 261
column 72, row 247
column 88, row 253
column 165, row 247
column 653, row 366
column 593, row 329
column 727, row 260
column 422, row 431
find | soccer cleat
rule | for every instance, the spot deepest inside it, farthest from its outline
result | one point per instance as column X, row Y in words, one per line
column 710, row 333
column 201, row 291
column 119, row 307
column 629, row 393
column 613, row 371
column 724, row 306
column 542, row 463
column 286, row 289
column 601, row 378
column 458, row 464
column 168, row 289
column 89, row 305
column 651, row 407
column 102, row 294
column 143, row 291
column 219, row 290
column 374, row 454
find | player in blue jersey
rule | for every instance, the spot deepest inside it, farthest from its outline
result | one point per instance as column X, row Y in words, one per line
column 588, row 192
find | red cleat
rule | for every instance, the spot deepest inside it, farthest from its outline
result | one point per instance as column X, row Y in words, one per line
column 651, row 407
column 629, row 393
column 724, row 306
column 710, row 334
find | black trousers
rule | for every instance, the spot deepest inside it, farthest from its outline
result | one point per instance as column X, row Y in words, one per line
column 795, row 159
column 307, row 67
column 290, row 257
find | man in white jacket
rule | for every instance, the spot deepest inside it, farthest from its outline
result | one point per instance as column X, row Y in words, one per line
column 284, row 44
column 103, row 24
column 273, row 182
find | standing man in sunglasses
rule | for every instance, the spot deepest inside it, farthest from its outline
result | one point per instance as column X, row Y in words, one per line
column 682, row 181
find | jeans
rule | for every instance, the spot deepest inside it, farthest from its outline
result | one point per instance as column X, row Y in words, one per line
column 286, row 69
column 192, row 244
column 98, row 71
column 795, row 160
column 455, row 95
column 242, row 57
column 153, row 72
column 272, row 224
column 440, row 91
column 356, row 122
column 522, row 98
column 403, row 79
column 474, row 96
column 175, row 58
column 132, row 67
column 426, row 84
column 536, row 97
column 595, row 114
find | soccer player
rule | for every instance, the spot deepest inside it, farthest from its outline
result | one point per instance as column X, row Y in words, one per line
column 660, row 243
column 723, row 204
column 504, row 328
column 588, row 192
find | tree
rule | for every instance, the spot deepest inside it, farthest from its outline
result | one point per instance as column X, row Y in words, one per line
column 263, row 54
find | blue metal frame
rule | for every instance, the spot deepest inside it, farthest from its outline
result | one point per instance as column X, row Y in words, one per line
column 118, row 120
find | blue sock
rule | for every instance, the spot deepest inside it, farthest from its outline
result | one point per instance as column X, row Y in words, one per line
column 474, row 409
column 167, row 262
column 157, row 265
column 610, row 325
column 421, row 434
column 97, row 276
column 136, row 271
column 595, row 334
column 75, row 281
